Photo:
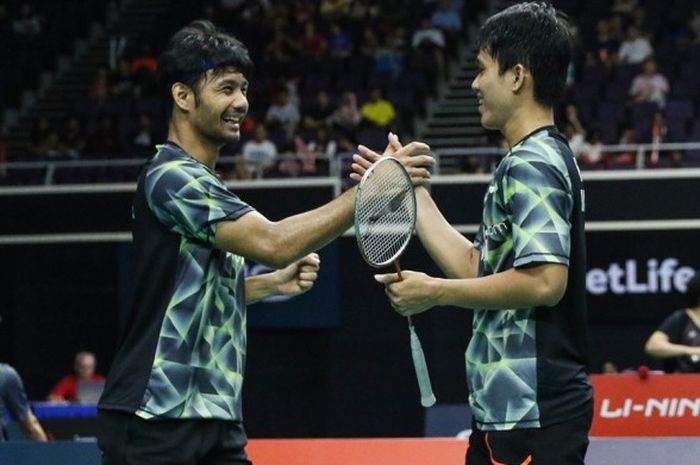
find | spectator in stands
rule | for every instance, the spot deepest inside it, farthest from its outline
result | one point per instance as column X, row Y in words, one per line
column 334, row 9
column 340, row 43
column 101, row 87
column 103, row 141
column 143, row 70
column 428, row 43
column 317, row 114
column 144, row 60
column 346, row 116
column 365, row 11
column 283, row 113
column 66, row 390
column 605, row 45
column 591, row 154
column 369, row 43
column 281, row 48
column 635, row 49
column 694, row 25
column 28, row 25
column 378, row 111
column 45, row 142
column 430, row 40
column 650, row 85
column 259, row 154
column 122, row 80
column 574, row 130
column 72, row 140
column 628, row 137
column 624, row 7
column 388, row 59
column 13, row 398
column 677, row 339
column 609, row 368
column 312, row 44
column 143, row 140
column 320, row 149
column 449, row 20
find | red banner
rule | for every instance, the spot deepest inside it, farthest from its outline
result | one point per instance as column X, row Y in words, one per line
column 646, row 405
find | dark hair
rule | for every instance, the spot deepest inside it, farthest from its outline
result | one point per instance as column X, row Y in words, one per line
column 196, row 49
column 536, row 36
column 692, row 291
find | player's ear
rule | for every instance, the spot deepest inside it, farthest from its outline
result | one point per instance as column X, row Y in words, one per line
column 519, row 73
column 183, row 96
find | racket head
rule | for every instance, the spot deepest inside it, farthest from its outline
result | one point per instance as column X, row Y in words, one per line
column 385, row 212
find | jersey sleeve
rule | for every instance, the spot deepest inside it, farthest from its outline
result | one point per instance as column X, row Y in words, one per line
column 189, row 199
column 538, row 202
column 672, row 326
column 15, row 396
column 478, row 241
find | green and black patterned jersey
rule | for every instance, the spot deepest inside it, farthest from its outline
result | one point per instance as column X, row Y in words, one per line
column 526, row 367
column 183, row 343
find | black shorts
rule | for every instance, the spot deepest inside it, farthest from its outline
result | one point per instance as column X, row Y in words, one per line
column 126, row 439
column 559, row 444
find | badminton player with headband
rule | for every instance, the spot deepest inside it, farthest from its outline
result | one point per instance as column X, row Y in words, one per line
column 525, row 273
column 385, row 217
column 173, row 393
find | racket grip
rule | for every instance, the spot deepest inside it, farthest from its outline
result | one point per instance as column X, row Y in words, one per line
column 427, row 398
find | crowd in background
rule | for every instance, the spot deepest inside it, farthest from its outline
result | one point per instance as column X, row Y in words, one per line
column 328, row 75
column 331, row 74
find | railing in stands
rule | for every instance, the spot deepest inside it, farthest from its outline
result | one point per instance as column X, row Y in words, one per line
column 45, row 172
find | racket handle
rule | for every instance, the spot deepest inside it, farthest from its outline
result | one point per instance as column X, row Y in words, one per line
column 397, row 265
column 427, row 398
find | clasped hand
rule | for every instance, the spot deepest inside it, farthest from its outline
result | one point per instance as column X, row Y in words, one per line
column 411, row 295
column 415, row 157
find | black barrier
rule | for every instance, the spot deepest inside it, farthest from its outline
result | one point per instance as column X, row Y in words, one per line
column 334, row 373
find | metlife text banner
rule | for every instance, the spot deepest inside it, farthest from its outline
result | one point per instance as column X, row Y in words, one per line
column 639, row 276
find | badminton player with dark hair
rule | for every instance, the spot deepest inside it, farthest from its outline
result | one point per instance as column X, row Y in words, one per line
column 173, row 394
column 677, row 339
column 524, row 274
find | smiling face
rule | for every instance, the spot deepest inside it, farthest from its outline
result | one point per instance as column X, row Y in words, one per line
column 493, row 91
column 221, row 104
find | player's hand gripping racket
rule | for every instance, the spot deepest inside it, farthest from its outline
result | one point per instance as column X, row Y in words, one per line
column 385, row 216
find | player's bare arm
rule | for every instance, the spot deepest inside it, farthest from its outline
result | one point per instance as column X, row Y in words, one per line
column 450, row 250
column 539, row 285
column 659, row 345
column 279, row 243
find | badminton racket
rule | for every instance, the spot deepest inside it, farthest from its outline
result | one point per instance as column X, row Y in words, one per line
column 385, row 217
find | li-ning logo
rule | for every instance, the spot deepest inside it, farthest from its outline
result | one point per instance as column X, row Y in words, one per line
column 667, row 407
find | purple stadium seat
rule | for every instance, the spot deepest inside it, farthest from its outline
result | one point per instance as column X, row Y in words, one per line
column 616, row 92
column 677, row 129
column 692, row 157
column 586, row 92
column 625, row 73
column 685, row 89
column 614, row 112
column 594, row 75
column 374, row 138
column 642, row 115
column 680, row 109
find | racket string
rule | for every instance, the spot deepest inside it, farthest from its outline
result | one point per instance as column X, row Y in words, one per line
column 387, row 214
